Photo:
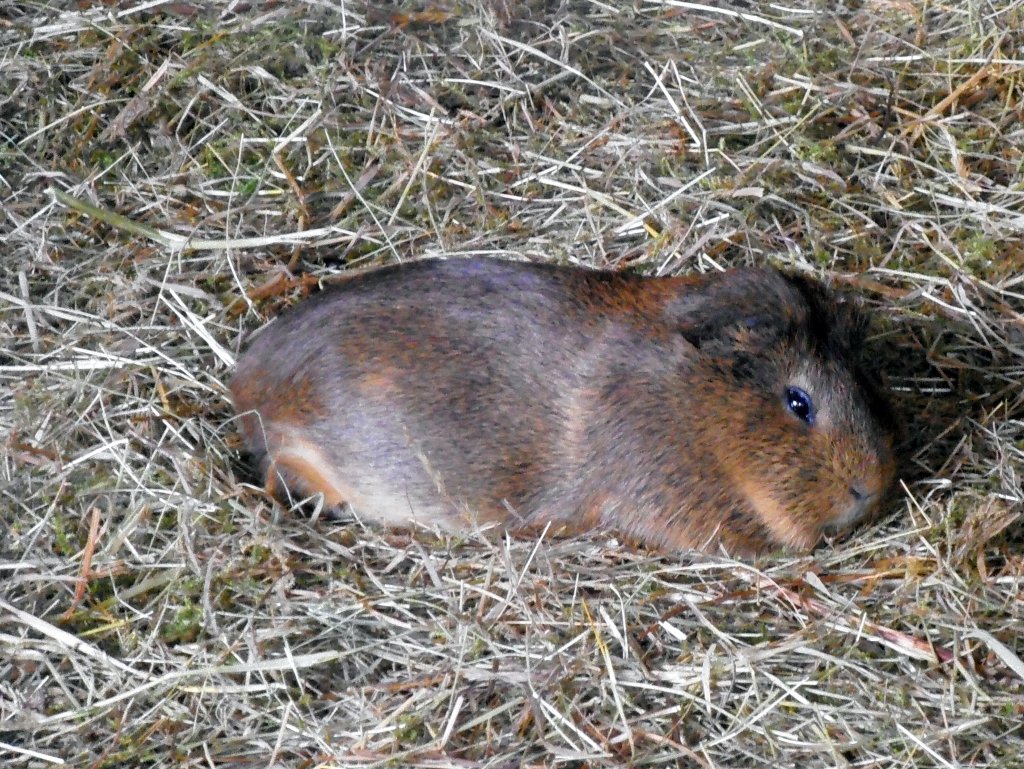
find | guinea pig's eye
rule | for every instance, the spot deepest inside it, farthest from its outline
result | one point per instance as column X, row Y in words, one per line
column 800, row 404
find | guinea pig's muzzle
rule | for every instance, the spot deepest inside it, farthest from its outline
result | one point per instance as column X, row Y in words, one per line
column 862, row 503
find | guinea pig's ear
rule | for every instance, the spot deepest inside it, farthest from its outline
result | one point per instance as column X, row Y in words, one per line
column 845, row 322
column 701, row 331
column 723, row 305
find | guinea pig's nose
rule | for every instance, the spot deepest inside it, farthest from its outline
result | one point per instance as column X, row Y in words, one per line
column 863, row 500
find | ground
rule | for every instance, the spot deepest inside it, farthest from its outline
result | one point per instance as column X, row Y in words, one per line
column 173, row 175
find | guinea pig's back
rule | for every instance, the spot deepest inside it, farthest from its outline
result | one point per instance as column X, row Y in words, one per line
column 424, row 391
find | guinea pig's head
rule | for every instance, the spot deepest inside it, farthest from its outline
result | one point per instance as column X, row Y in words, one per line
column 787, row 407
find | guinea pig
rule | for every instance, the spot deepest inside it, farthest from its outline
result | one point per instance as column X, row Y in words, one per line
column 726, row 410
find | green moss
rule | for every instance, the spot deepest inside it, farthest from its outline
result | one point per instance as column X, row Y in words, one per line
column 65, row 539
column 184, row 626
column 258, row 555
column 103, row 158
column 249, row 187
column 823, row 152
column 978, row 251
column 409, row 729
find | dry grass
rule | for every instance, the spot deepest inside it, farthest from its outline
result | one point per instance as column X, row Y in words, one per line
column 156, row 611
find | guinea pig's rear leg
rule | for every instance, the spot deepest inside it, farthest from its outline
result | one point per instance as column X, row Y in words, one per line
column 299, row 469
column 291, row 465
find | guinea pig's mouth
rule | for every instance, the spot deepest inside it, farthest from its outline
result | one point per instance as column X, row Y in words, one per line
column 836, row 530
column 860, row 507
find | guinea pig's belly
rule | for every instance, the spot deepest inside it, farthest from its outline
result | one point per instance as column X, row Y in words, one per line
column 389, row 480
column 391, row 502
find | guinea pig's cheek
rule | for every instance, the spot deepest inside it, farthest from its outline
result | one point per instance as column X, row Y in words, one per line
column 844, row 519
column 773, row 513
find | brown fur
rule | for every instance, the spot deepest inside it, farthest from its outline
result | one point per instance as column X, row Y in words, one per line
column 464, row 392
